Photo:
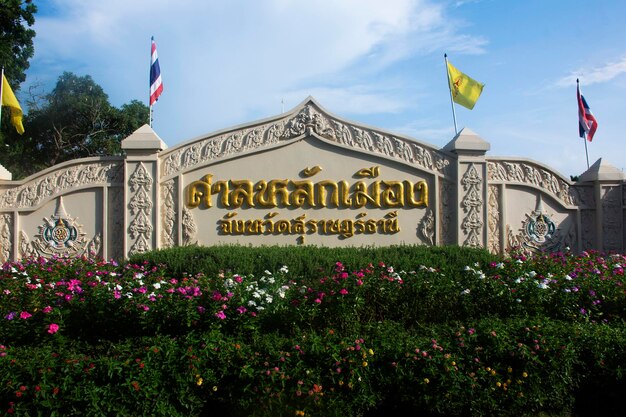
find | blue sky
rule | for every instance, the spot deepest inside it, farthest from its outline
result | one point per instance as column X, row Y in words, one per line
column 374, row 62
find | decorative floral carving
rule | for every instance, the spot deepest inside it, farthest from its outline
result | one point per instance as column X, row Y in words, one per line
column 309, row 119
column 140, row 204
column 26, row 249
column 115, row 222
column 60, row 235
column 189, row 227
column 6, row 237
column 58, row 182
column 539, row 233
column 472, row 203
column 446, row 212
column 612, row 218
column 494, row 219
column 530, row 174
column 426, row 227
column 168, row 196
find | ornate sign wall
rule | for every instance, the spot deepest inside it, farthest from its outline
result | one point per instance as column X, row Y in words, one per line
column 307, row 177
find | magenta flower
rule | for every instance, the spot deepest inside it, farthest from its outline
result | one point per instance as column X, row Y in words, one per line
column 25, row 315
column 47, row 309
column 343, row 291
column 53, row 328
column 220, row 315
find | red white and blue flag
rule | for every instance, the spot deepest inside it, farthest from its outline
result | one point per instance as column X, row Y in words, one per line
column 156, row 85
column 587, row 123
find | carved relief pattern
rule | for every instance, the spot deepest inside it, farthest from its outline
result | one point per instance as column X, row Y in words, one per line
column 471, row 204
column 168, row 196
column 308, row 120
column 116, row 221
column 494, row 218
column 189, row 227
column 26, row 248
column 587, row 218
column 60, row 235
column 539, row 233
column 530, row 174
column 612, row 219
column 446, row 212
column 426, row 227
column 140, row 227
column 55, row 183
column 6, row 237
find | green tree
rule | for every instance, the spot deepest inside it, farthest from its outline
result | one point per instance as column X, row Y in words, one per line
column 16, row 38
column 74, row 120
column 16, row 46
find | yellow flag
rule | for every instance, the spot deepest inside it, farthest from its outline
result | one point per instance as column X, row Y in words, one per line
column 465, row 90
column 9, row 100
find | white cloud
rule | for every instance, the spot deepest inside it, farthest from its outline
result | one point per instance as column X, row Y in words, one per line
column 225, row 62
column 595, row 75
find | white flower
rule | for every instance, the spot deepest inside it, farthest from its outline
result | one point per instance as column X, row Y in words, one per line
column 118, row 287
column 256, row 294
column 229, row 283
column 269, row 299
column 251, row 303
column 568, row 278
column 465, row 291
column 271, row 280
column 532, row 274
column 267, row 272
column 156, row 285
column 500, row 265
column 139, row 275
column 260, row 308
column 284, row 269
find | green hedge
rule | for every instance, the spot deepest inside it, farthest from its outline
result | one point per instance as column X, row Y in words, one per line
column 309, row 261
column 364, row 332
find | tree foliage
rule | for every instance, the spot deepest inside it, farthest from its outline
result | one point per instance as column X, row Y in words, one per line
column 74, row 120
column 16, row 38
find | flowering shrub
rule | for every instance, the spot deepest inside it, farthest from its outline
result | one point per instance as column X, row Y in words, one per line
column 514, row 336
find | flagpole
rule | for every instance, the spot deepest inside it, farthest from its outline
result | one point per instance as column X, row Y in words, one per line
column 1, row 85
column 150, row 84
column 456, row 131
column 585, row 133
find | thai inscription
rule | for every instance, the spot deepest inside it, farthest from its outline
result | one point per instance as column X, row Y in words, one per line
column 284, row 193
column 233, row 194
column 344, row 228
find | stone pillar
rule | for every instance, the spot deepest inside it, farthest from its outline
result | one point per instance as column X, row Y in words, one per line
column 608, row 184
column 471, row 184
column 141, row 194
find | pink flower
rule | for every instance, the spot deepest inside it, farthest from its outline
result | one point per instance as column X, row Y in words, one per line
column 359, row 282
column 220, row 315
column 343, row 291
column 25, row 315
column 53, row 328
column 47, row 309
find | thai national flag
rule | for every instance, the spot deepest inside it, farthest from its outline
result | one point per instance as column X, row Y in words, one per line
column 156, row 85
column 587, row 123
